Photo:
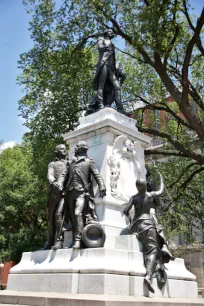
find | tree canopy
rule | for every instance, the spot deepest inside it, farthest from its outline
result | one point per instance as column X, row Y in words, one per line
column 181, row 211
column 23, row 204
column 163, row 57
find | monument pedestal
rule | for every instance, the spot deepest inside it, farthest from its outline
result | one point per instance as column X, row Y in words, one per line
column 116, row 269
column 106, row 133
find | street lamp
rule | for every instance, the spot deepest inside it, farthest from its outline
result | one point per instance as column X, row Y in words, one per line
column 2, row 270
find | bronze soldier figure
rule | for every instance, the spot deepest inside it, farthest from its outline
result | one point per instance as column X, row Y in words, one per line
column 107, row 75
column 149, row 232
column 109, row 92
column 78, row 197
column 57, row 171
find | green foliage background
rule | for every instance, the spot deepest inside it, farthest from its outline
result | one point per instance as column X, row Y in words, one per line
column 23, row 203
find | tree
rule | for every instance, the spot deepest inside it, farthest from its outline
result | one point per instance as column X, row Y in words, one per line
column 180, row 210
column 55, row 94
column 163, row 46
column 163, row 60
column 56, row 82
column 23, row 204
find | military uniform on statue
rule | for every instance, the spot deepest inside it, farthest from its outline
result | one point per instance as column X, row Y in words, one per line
column 78, row 195
column 57, row 171
column 107, row 75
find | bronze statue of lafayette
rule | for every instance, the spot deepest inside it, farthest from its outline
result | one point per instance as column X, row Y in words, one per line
column 79, row 197
column 57, row 171
column 108, row 77
column 149, row 232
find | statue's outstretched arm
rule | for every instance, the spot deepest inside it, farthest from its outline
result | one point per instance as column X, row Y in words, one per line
column 156, row 194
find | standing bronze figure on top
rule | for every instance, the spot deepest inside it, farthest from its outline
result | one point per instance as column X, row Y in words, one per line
column 108, row 77
column 149, row 232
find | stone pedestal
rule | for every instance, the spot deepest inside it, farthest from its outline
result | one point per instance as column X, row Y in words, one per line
column 101, row 130
column 117, row 268
column 111, row 271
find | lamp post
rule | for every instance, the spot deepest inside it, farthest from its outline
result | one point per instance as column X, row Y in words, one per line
column 2, row 270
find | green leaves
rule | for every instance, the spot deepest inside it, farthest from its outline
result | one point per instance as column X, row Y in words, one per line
column 58, row 71
column 23, row 202
column 182, row 207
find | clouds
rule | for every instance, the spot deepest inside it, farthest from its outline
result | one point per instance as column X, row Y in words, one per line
column 6, row 145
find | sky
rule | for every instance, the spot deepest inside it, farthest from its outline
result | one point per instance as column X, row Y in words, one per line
column 14, row 40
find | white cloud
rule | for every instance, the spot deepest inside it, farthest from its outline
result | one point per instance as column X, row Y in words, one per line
column 6, row 145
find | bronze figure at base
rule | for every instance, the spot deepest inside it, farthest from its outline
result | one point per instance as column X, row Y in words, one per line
column 151, row 234
column 57, row 171
column 79, row 191
column 71, row 199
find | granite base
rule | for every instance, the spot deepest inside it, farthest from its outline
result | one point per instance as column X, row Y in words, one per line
column 118, row 271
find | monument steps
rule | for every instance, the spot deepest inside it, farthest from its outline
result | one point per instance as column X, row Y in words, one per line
column 8, row 297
